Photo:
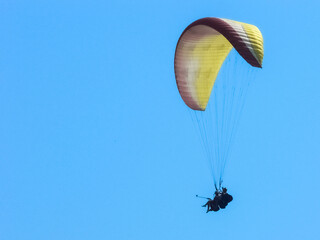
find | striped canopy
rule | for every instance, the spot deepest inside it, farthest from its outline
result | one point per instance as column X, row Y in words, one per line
column 201, row 50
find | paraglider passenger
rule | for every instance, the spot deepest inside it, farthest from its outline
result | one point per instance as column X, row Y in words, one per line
column 211, row 205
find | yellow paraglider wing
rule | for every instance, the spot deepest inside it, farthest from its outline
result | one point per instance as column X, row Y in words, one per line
column 201, row 51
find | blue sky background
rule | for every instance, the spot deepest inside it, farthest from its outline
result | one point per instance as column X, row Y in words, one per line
column 96, row 143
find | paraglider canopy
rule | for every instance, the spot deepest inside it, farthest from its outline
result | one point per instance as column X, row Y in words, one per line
column 201, row 50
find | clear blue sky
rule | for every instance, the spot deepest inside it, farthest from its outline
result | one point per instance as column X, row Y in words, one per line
column 95, row 142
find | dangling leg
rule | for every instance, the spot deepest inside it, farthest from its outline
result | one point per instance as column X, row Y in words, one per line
column 208, row 208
